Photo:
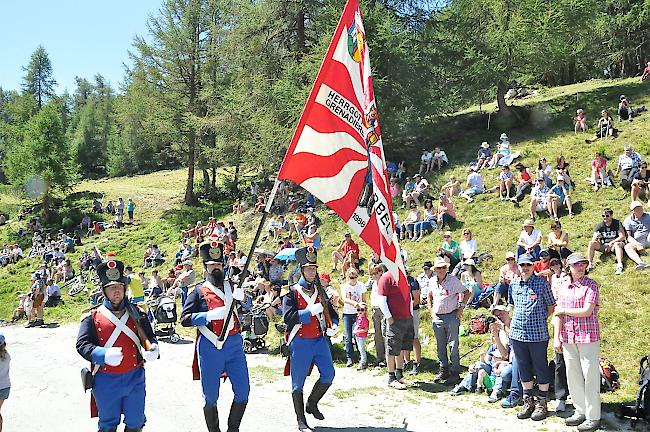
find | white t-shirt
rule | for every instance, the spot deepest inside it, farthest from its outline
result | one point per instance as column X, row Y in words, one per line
column 421, row 185
column 426, row 157
column 475, row 180
column 352, row 292
column 441, row 155
column 468, row 248
column 529, row 240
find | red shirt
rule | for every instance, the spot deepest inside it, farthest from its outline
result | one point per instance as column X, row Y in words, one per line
column 351, row 246
column 399, row 302
column 540, row 266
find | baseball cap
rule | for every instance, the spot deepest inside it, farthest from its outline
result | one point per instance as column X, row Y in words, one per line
column 635, row 204
column 525, row 259
column 510, row 255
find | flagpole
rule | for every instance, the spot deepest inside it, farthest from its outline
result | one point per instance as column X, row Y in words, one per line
column 244, row 273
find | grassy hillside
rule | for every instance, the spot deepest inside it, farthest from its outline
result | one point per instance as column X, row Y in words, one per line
column 496, row 225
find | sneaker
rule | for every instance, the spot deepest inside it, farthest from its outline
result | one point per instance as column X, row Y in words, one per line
column 642, row 266
column 561, row 406
column 495, row 396
column 362, row 366
column 458, row 390
column 479, row 390
column 396, row 385
column 541, row 410
column 442, row 375
column 589, row 425
column 415, row 369
column 575, row 420
column 349, row 363
column 619, row 269
column 511, row 401
column 31, row 324
column 529, row 408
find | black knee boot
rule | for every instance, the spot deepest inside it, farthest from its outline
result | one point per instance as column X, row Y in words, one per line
column 236, row 413
column 316, row 395
column 211, row 418
column 299, row 407
column 128, row 429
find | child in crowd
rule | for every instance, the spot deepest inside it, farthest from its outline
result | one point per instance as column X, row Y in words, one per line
column 580, row 121
column 599, row 171
column 361, row 334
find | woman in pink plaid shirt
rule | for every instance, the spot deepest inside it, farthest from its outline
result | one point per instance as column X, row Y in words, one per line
column 577, row 335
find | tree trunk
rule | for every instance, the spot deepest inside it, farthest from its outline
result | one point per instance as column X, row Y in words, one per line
column 504, row 109
column 235, row 182
column 189, row 188
column 214, row 180
column 300, row 33
column 206, row 180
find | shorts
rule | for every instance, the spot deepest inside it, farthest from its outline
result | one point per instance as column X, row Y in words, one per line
column 472, row 191
column 416, row 324
column 532, row 361
column 399, row 336
column 602, row 246
column 541, row 206
column 38, row 300
column 4, row 393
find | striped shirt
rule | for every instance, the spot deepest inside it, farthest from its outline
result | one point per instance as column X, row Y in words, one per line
column 578, row 330
column 445, row 295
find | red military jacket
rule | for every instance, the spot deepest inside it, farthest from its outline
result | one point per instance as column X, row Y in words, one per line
column 130, row 350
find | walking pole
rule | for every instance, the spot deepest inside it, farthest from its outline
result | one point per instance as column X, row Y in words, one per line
column 244, row 273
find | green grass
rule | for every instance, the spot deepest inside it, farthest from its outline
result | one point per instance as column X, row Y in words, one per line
column 625, row 305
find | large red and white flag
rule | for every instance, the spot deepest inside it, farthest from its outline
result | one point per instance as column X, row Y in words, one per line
column 336, row 152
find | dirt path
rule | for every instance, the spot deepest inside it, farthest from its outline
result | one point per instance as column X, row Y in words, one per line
column 47, row 393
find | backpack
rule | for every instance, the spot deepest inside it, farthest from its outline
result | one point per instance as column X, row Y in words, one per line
column 479, row 324
column 608, row 376
column 641, row 407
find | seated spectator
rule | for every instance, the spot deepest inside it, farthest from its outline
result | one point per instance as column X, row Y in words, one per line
column 545, row 172
column 260, row 204
column 16, row 253
column 156, row 284
column 539, row 198
column 413, row 217
column 508, row 272
column 425, row 161
column 118, row 222
column 347, row 252
column 503, row 150
column 401, row 172
column 640, row 182
column 599, row 175
column 483, row 156
column 557, row 197
column 529, row 240
column 428, row 221
column 472, row 278
column 475, row 185
column 562, row 169
column 276, row 272
column 409, row 186
column 604, row 129
column 155, row 258
column 3, row 219
column 637, row 226
column 558, row 242
column 628, row 166
column 285, row 243
column 312, row 237
column 542, row 268
column 24, row 304
column 505, row 182
column 65, row 272
column 53, row 294
column 97, row 206
column 646, row 72
column 609, row 237
column 439, row 157
column 468, row 250
column 394, row 188
column 421, row 189
column 238, row 207
column 452, row 188
column 110, row 208
column 625, row 110
column 524, row 183
column 446, row 211
column 280, row 228
column 449, row 250
column 580, row 121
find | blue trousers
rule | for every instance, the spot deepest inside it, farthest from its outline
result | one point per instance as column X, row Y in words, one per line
column 183, row 295
column 504, row 379
column 304, row 352
column 535, row 254
column 117, row 394
column 515, row 383
column 230, row 359
column 348, row 323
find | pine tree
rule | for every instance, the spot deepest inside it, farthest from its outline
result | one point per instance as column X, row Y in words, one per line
column 38, row 81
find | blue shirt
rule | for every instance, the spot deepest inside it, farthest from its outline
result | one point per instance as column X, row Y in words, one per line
column 531, row 299
column 560, row 191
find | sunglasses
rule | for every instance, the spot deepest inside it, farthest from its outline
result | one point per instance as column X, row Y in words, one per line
column 352, row 276
column 526, row 265
column 447, row 236
column 510, row 259
column 361, row 310
column 606, row 215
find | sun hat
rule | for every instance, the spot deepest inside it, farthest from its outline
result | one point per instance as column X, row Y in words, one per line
column 635, row 204
column 504, row 136
column 528, row 222
column 485, row 144
column 440, row 262
column 525, row 259
column 575, row 258
column 325, row 276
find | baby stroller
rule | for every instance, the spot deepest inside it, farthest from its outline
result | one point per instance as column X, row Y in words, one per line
column 163, row 318
column 254, row 326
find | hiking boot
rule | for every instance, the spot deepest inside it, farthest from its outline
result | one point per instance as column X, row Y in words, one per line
column 362, row 366
column 349, row 363
column 415, row 369
column 575, row 420
column 589, row 425
column 541, row 410
column 442, row 375
column 529, row 408
column 396, row 385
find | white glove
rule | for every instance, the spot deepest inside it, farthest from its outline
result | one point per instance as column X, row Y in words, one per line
column 152, row 354
column 315, row 309
column 113, row 356
column 332, row 331
column 238, row 294
column 218, row 313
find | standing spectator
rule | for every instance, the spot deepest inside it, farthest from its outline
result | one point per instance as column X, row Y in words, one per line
column 378, row 321
column 646, row 72
column 609, row 236
column 134, row 286
column 524, row 183
column 509, row 271
column 446, row 211
column 130, row 208
column 533, row 303
column 529, row 240
column 475, row 185
column 352, row 294
column 37, row 295
column 361, row 327
column 637, row 226
column 185, row 279
column 558, row 241
column 5, row 382
column 425, row 280
column 414, row 288
column 577, row 335
column 347, row 252
column 640, row 182
column 561, row 388
column 580, row 121
column 446, row 311
column 627, row 167
column 120, row 206
column 396, row 308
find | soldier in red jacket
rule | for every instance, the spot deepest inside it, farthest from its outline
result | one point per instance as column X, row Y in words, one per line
column 117, row 339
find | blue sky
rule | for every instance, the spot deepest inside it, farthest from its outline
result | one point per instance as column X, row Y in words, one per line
column 82, row 38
